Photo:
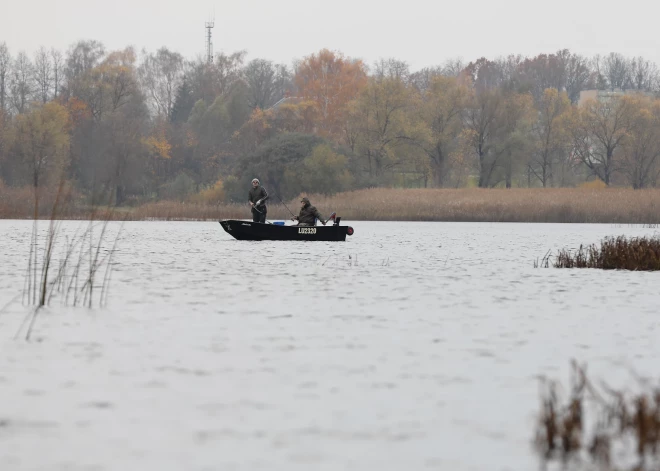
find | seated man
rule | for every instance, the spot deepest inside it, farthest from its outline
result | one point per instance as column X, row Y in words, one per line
column 308, row 214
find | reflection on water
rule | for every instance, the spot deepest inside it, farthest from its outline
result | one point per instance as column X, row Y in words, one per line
column 409, row 346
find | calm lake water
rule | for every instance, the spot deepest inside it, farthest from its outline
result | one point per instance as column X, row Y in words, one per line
column 410, row 346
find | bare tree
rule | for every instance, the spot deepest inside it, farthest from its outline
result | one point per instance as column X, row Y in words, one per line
column 617, row 70
column 21, row 82
column 84, row 56
column 423, row 78
column 283, row 81
column 508, row 70
column 228, row 70
column 641, row 149
column 209, row 81
column 644, row 74
column 578, row 75
column 599, row 133
column 5, row 65
column 43, row 74
column 536, row 75
column 453, row 67
column 161, row 74
column 482, row 119
column 81, row 58
column 110, row 85
column 392, row 68
column 125, row 131
column 441, row 111
column 550, row 135
column 119, row 78
column 57, row 61
column 598, row 76
column 485, row 74
column 512, row 143
column 260, row 76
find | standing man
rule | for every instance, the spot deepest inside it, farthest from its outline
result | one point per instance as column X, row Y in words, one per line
column 257, row 198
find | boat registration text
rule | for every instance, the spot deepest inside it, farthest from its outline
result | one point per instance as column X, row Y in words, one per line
column 307, row 230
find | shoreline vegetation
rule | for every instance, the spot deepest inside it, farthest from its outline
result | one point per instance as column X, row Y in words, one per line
column 549, row 205
column 613, row 253
column 155, row 126
column 636, row 253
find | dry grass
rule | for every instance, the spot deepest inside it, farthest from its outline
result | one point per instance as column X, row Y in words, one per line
column 562, row 205
column 18, row 203
column 637, row 253
column 174, row 211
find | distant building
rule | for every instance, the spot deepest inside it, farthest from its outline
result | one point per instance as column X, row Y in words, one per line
column 607, row 95
column 293, row 100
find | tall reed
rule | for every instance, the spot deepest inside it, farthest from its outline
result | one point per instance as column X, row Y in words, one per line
column 71, row 281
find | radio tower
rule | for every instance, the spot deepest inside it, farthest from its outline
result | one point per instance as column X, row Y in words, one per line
column 209, row 43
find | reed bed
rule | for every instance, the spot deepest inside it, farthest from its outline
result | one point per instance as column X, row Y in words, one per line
column 560, row 205
column 614, row 253
column 18, row 203
column 551, row 205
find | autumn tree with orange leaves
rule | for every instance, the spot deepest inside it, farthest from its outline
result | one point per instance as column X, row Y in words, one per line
column 331, row 81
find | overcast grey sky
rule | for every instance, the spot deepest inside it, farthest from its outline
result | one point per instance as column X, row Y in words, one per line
column 423, row 33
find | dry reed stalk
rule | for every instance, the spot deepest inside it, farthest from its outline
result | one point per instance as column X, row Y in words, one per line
column 48, row 286
column 625, row 422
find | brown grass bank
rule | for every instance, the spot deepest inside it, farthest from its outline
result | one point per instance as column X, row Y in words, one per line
column 565, row 205
column 561, row 205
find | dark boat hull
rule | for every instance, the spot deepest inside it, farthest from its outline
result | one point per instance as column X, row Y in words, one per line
column 247, row 230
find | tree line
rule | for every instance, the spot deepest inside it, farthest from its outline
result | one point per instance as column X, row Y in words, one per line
column 156, row 125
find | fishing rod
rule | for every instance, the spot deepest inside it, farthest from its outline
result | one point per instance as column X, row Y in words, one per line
column 290, row 212
column 287, row 208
